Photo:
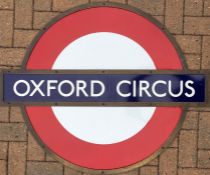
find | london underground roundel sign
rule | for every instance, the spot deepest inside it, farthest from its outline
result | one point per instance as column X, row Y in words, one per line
column 92, row 108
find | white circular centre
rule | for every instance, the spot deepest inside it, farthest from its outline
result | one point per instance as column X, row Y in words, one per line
column 103, row 125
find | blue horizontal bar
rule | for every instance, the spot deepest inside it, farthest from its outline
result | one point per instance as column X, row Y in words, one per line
column 103, row 87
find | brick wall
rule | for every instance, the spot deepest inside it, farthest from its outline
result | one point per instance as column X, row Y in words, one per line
column 187, row 20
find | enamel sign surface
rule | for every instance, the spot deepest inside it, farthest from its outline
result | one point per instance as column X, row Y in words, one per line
column 104, row 88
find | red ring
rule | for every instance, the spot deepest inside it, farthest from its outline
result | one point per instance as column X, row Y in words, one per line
column 144, row 143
